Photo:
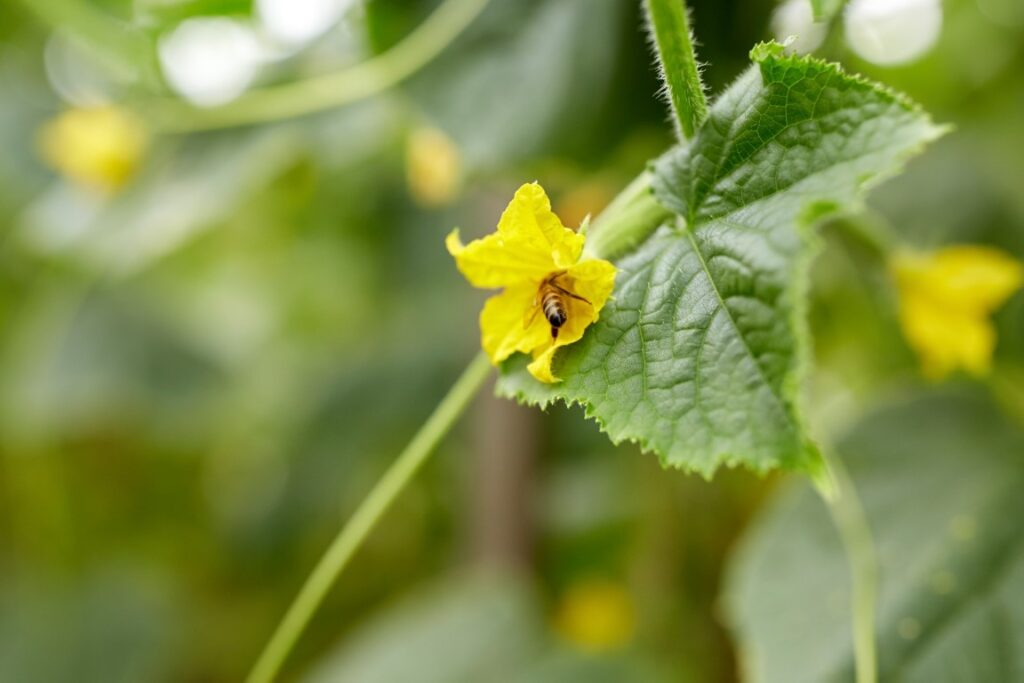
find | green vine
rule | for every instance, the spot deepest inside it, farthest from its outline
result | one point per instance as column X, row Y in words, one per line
column 365, row 518
column 321, row 93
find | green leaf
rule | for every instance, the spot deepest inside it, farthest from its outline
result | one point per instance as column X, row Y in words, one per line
column 670, row 31
column 699, row 356
column 940, row 478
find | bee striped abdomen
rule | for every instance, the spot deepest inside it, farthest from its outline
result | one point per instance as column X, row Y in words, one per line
column 554, row 310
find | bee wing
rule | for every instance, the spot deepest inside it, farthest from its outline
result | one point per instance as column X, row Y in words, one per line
column 531, row 315
column 570, row 294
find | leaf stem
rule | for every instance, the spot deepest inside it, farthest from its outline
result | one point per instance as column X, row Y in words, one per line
column 327, row 91
column 855, row 532
column 627, row 221
column 872, row 232
column 366, row 516
column 670, row 29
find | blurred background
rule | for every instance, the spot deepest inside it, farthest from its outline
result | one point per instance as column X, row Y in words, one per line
column 214, row 339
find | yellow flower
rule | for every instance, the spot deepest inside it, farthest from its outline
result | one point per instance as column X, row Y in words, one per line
column 433, row 167
column 98, row 147
column 946, row 299
column 596, row 615
column 533, row 255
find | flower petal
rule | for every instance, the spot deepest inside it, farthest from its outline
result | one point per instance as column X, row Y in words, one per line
column 495, row 261
column 540, row 368
column 946, row 298
column 511, row 321
column 964, row 277
column 946, row 339
column 529, row 221
column 594, row 280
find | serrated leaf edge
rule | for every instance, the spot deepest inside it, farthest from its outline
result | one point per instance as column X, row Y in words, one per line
column 797, row 287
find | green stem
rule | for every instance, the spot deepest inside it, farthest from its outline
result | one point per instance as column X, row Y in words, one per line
column 326, row 92
column 627, row 221
column 366, row 516
column 670, row 27
column 855, row 532
column 872, row 232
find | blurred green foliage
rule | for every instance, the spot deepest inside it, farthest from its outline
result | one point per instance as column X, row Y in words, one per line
column 204, row 373
column 950, row 602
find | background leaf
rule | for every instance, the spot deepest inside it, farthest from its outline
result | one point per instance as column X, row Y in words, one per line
column 698, row 356
column 504, row 88
column 940, row 479
column 481, row 627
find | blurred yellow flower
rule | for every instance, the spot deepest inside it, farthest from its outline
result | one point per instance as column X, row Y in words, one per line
column 550, row 296
column 99, row 147
column 596, row 615
column 433, row 167
column 946, row 300
column 584, row 200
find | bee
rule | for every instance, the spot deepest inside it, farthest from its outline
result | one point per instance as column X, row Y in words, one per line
column 550, row 299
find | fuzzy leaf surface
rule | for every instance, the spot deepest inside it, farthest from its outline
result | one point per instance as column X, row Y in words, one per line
column 699, row 355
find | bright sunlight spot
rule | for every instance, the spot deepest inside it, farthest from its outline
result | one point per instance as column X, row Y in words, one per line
column 210, row 61
column 794, row 18
column 890, row 32
column 296, row 22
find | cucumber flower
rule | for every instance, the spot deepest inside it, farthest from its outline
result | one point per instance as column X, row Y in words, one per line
column 946, row 298
column 550, row 296
column 433, row 167
column 100, row 147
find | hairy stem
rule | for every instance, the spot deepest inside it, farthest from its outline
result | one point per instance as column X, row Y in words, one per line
column 670, row 29
column 365, row 518
column 332, row 90
column 855, row 532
